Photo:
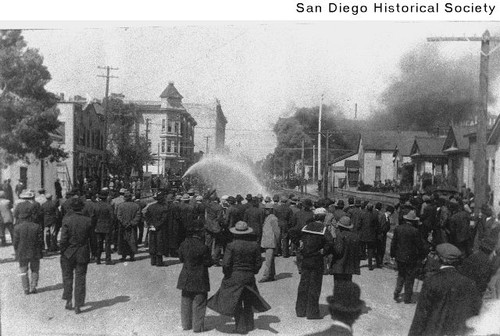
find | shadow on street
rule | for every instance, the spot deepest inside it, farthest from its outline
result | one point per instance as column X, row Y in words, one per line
column 50, row 288
column 222, row 323
column 105, row 303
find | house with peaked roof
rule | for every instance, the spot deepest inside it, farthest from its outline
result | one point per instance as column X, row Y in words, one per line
column 377, row 159
column 456, row 146
column 431, row 164
column 169, row 128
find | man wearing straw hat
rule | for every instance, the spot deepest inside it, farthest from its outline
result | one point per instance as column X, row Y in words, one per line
column 407, row 248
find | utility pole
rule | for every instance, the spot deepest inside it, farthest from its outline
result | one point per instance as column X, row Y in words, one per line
column 147, row 141
column 480, row 173
column 319, row 136
column 107, row 76
column 314, row 163
column 158, row 164
column 302, row 174
column 325, row 172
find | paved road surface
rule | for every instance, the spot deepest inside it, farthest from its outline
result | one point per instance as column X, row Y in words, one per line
column 137, row 299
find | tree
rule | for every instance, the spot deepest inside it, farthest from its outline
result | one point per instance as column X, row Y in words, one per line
column 28, row 113
column 126, row 149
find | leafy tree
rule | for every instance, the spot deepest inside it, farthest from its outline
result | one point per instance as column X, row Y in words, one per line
column 126, row 150
column 28, row 113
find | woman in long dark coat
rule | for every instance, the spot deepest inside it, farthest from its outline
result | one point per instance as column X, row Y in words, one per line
column 238, row 294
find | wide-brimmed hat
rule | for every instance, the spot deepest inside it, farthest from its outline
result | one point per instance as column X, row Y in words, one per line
column 123, row 191
column 276, row 198
column 346, row 298
column 185, row 197
column 248, row 197
column 268, row 199
column 411, row 216
column 345, row 222
column 241, row 227
column 178, row 197
column 340, row 204
column 191, row 191
column 199, row 198
column 27, row 194
column 48, row 196
column 231, row 200
column 357, row 202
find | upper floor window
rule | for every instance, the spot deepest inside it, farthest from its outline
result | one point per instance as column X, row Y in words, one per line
column 378, row 155
column 163, row 125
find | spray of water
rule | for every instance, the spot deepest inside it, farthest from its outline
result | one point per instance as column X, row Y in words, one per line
column 228, row 175
column 487, row 323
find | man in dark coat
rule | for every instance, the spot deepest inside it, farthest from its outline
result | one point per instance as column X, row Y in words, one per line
column 355, row 213
column 75, row 253
column 299, row 220
column 58, row 188
column 459, row 228
column 51, row 217
column 367, row 231
column 339, row 212
column 254, row 217
column 128, row 214
column 486, row 225
column 284, row 214
column 89, row 211
column 383, row 229
column 479, row 265
column 193, row 279
column 447, row 300
column 316, row 242
column 345, row 307
column 103, row 227
column 407, row 248
column 9, row 193
column 428, row 216
column 156, row 218
column 345, row 254
column 28, row 244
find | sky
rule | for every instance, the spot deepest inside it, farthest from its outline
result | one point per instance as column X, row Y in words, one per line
column 258, row 70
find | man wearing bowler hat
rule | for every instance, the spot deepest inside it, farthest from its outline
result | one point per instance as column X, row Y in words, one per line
column 447, row 300
column 345, row 307
column 407, row 248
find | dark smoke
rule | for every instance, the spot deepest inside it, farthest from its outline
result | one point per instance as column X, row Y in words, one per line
column 433, row 91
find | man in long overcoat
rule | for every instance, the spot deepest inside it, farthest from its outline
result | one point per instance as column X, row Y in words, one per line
column 75, row 253
column 156, row 218
column 367, row 231
column 383, row 229
column 345, row 253
column 128, row 214
column 254, row 216
column 104, row 221
column 459, row 227
column 447, row 300
column 28, row 244
column 407, row 248
column 193, row 279
column 284, row 214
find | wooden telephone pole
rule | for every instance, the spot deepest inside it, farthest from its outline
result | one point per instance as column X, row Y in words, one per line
column 480, row 169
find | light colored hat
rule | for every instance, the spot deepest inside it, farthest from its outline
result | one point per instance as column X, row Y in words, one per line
column 48, row 196
column 241, row 227
column 224, row 197
column 185, row 197
column 199, row 198
column 319, row 212
column 448, row 251
column 269, row 205
column 345, row 222
column 122, row 191
column 27, row 194
column 411, row 216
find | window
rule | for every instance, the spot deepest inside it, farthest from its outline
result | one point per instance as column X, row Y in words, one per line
column 378, row 155
column 170, row 126
column 163, row 125
column 163, row 141
column 378, row 173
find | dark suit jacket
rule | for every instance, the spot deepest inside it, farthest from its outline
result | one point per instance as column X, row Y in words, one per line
column 75, row 237
column 368, row 226
column 407, row 245
column 446, row 301
column 346, row 257
column 28, row 240
column 255, row 217
column 459, row 226
column 103, row 217
column 196, row 258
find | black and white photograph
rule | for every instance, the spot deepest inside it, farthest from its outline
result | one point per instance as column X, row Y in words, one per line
column 250, row 177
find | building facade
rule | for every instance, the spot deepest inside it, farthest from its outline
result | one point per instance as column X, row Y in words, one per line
column 169, row 129
column 210, row 136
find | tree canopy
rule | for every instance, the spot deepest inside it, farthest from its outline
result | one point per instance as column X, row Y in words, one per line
column 28, row 113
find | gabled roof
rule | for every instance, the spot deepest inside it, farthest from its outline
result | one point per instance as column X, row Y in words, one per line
column 456, row 140
column 390, row 140
column 428, row 146
column 171, row 92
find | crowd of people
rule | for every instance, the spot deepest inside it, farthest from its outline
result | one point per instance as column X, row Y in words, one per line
column 435, row 240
